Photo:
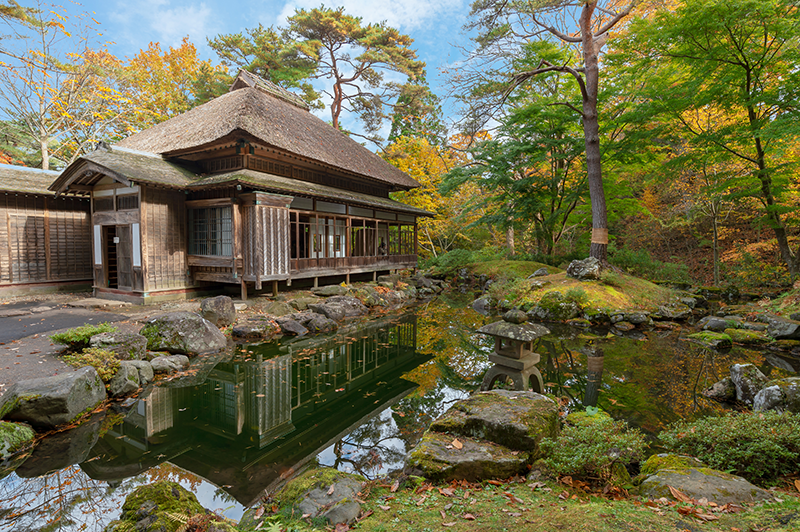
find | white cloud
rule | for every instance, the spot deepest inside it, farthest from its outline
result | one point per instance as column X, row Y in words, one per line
column 163, row 21
column 405, row 15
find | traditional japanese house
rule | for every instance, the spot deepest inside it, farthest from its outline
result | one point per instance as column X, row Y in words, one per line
column 45, row 242
column 249, row 188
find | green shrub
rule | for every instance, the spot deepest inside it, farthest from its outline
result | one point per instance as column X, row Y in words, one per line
column 591, row 446
column 105, row 362
column 78, row 338
column 641, row 264
column 757, row 446
column 752, row 271
column 577, row 295
column 450, row 262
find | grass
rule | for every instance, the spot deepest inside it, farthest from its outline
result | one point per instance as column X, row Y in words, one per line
column 552, row 506
column 508, row 269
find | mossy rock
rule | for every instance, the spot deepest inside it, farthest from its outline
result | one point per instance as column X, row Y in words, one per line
column 14, row 437
column 695, row 480
column 160, row 506
column 437, row 458
column 712, row 339
column 320, row 477
column 746, row 337
column 515, row 419
column 584, row 418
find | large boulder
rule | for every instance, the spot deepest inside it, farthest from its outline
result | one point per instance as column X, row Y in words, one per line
column 781, row 328
column 145, row 370
column 302, row 303
column 675, row 311
column 126, row 346
column 554, row 307
column 256, row 328
column 321, row 325
column 169, row 364
column 292, row 327
column 218, row 310
column 711, row 339
column 723, row 391
column 442, row 457
column 327, row 494
column 719, row 324
column 125, row 381
column 333, row 312
column 351, row 306
column 63, row 449
column 748, row 337
column 152, row 508
column 48, row 402
column 585, row 270
column 330, row 290
column 278, row 308
column 748, row 381
column 782, row 395
column 516, row 419
column 694, row 479
column 183, row 333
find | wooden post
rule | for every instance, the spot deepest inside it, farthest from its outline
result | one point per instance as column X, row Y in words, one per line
column 244, row 290
column 347, row 278
column 316, row 282
column 374, row 276
column 275, row 288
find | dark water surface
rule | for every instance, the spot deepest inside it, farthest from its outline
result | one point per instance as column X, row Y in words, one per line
column 238, row 426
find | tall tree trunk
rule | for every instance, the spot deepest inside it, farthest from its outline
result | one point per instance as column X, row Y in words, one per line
column 714, row 222
column 510, row 239
column 591, row 131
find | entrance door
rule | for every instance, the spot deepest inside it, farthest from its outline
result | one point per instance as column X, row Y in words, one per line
column 119, row 271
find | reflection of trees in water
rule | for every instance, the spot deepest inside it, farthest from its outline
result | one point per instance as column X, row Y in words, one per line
column 65, row 500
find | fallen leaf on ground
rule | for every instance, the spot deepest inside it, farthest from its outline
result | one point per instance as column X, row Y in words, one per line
column 457, row 444
column 468, row 517
column 678, row 495
column 330, row 490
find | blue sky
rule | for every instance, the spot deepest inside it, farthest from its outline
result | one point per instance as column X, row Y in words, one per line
column 435, row 26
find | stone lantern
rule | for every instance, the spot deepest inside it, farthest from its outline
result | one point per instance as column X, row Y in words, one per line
column 513, row 355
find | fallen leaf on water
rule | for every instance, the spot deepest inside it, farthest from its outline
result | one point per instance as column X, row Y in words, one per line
column 457, row 444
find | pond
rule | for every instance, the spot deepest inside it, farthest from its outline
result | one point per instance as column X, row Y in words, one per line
column 237, row 426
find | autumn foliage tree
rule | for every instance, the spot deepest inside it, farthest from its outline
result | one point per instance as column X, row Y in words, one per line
column 55, row 87
column 740, row 59
column 428, row 163
column 161, row 83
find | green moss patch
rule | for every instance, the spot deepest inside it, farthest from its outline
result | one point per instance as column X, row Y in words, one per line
column 309, row 480
column 14, row 437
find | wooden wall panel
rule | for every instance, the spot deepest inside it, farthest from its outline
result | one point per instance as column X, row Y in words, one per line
column 165, row 230
column 70, row 232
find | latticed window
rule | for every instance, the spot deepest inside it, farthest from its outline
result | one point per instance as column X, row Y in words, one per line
column 211, row 231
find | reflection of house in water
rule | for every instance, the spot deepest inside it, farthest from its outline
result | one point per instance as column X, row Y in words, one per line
column 261, row 416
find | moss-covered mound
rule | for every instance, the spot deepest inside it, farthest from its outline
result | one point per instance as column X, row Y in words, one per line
column 162, row 506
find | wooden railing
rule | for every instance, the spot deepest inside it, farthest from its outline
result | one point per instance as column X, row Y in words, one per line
column 345, row 263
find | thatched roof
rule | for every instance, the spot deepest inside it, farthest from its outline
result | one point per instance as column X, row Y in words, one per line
column 293, row 187
column 125, row 166
column 275, row 123
column 27, row 180
column 246, row 79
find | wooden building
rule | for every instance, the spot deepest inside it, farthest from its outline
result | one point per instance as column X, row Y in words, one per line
column 45, row 242
column 249, row 188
